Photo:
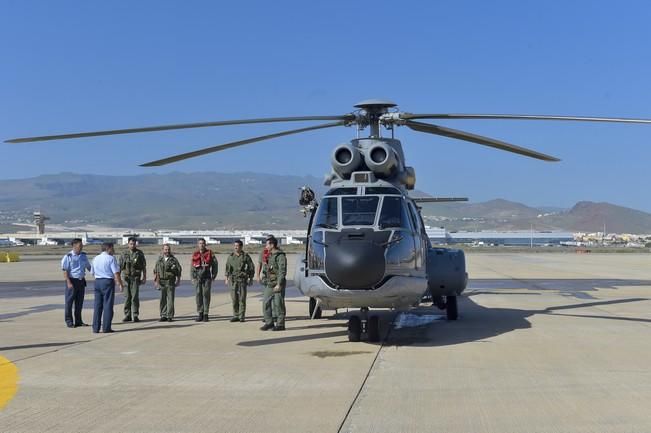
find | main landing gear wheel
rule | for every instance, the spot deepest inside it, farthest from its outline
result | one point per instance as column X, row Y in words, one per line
column 315, row 312
column 354, row 329
column 373, row 329
column 438, row 302
column 451, row 307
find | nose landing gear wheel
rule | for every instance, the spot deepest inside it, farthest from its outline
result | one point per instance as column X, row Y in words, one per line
column 451, row 307
column 373, row 329
column 354, row 329
column 315, row 312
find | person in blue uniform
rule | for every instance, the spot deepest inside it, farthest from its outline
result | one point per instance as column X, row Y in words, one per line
column 107, row 274
column 74, row 266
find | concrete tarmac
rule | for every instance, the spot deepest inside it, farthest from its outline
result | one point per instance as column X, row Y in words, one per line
column 544, row 343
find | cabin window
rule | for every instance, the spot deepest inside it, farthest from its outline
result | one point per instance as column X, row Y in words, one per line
column 394, row 214
column 382, row 190
column 358, row 211
column 326, row 214
column 342, row 191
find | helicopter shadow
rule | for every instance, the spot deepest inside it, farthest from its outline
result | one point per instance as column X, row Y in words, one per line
column 427, row 326
column 580, row 288
column 478, row 323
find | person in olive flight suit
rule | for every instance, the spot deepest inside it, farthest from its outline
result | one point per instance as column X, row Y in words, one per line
column 239, row 274
column 133, row 268
column 273, row 299
column 203, row 272
column 167, row 277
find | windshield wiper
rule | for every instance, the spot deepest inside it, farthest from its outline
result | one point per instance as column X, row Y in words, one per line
column 392, row 241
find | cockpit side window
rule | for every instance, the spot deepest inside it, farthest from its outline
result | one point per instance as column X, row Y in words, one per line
column 416, row 218
column 358, row 211
column 394, row 214
column 326, row 214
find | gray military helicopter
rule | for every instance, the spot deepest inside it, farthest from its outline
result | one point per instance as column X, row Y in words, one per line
column 367, row 245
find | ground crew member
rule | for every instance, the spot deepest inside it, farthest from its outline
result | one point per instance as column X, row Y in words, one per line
column 239, row 274
column 107, row 274
column 262, row 261
column 203, row 272
column 260, row 275
column 274, row 292
column 133, row 268
column 167, row 277
column 74, row 266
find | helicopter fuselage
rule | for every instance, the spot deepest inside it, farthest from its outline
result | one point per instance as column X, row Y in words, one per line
column 367, row 243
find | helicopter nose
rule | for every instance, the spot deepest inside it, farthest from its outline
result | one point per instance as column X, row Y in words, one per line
column 355, row 260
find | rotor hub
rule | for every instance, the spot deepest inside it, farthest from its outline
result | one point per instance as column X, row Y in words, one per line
column 374, row 111
column 375, row 105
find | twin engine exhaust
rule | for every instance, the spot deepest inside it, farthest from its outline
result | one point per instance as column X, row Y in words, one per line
column 379, row 158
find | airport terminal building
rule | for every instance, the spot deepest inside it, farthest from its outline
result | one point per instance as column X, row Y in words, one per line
column 437, row 235
column 441, row 236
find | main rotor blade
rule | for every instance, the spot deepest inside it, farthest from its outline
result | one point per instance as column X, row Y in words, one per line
column 347, row 117
column 522, row 117
column 473, row 138
column 221, row 147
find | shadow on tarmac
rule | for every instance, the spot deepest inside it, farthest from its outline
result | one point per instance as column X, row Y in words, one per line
column 149, row 328
column 478, row 323
column 42, row 345
column 578, row 288
column 35, row 309
column 290, row 338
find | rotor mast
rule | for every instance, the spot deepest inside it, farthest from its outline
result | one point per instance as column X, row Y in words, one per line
column 374, row 109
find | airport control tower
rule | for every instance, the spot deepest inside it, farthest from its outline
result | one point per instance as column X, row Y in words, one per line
column 39, row 220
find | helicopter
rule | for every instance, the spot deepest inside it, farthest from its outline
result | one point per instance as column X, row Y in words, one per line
column 367, row 246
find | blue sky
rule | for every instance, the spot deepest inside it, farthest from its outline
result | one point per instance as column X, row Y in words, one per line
column 74, row 66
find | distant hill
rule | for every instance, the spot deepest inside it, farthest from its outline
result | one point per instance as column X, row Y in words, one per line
column 500, row 214
column 252, row 200
column 176, row 200
column 591, row 217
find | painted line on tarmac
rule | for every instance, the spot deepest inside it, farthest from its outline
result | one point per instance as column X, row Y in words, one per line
column 8, row 381
column 368, row 374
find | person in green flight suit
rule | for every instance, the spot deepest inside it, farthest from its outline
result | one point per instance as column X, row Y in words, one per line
column 133, row 268
column 203, row 272
column 274, row 292
column 239, row 274
column 167, row 277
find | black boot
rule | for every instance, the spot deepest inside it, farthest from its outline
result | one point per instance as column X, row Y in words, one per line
column 205, row 317
column 199, row 318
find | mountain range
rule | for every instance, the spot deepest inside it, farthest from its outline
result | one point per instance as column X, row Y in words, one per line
column 253, row 200
column 499, row 214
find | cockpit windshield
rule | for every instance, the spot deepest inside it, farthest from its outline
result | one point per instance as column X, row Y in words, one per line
column 394, row 214
column 358, row 211
column 326, row 214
